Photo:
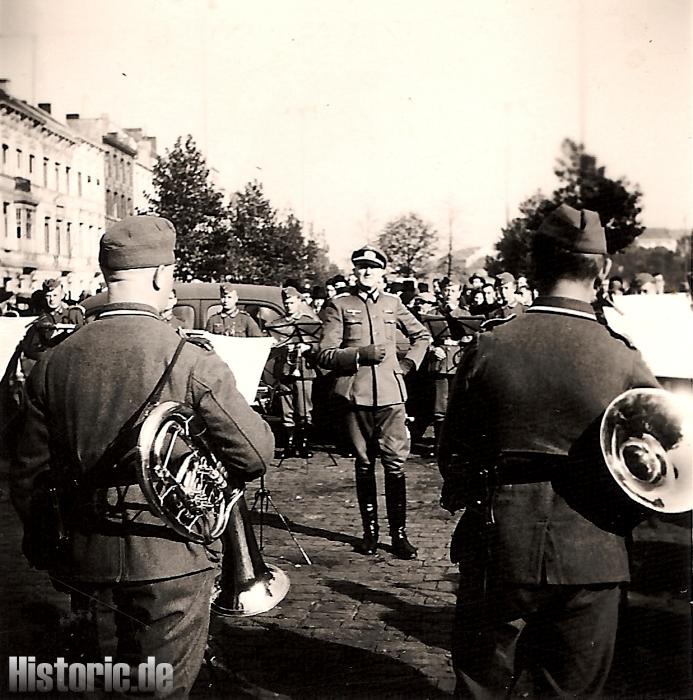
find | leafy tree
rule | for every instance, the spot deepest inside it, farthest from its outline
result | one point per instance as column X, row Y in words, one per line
column 409, row 243
column 265, row 249
column 184, row 194
column 583, row 185
column 513, row 247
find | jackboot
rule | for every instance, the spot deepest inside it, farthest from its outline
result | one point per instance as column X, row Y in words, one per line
column 367, row 495
column 290, row 445
column 396, row 502
column 302, row 448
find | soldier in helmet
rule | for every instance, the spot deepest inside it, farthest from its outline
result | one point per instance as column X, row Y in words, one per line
column 541, row 548
column 359, row 343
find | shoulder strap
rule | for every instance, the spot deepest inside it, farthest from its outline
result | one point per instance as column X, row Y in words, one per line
column 126, row 439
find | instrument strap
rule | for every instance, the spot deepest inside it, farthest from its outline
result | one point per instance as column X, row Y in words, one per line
column 126, row 439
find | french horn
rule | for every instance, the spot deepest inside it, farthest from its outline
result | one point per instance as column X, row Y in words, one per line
column 646, row 439
column 190, row 490
column 186, row 485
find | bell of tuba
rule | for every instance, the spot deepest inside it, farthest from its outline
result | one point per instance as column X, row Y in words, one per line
column 190, row 490
column 247, row 586
column 646, row 438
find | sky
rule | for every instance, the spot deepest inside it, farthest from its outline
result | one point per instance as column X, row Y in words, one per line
column 351, row 113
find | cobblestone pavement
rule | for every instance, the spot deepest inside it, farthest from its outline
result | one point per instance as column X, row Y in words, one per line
column 371, row 627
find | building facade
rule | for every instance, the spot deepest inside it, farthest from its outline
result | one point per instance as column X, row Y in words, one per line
column 51, row 198
column 61, row 185
column 143, row 175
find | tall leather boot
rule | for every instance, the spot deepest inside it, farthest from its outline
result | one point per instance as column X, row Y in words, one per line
column 367, row 495
column 302, row 448
column 290, row 446
column 396, row 502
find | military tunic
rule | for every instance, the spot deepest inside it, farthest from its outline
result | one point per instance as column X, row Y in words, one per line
column 78, row 396
column 526, row 403
column 239, row 325
column 376, row 393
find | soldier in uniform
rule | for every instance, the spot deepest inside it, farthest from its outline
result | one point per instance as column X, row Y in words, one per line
column 295, row 371
column 168, row 315
column 541, row 544
column 510, row 304
column 42, row 332
column 231, row 320
column 444, row 356
column 78, row 397
column 359, row 343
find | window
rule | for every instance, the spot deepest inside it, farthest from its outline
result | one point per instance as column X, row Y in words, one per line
column 19, row 161
column 47, row 234
column 88, row 178
column 19, row 222
column 6, row 218
column 45, row 172
column 67, row 179
column 68, row 238
column 79, row 184
column 31, row 164
column 57, row 176
column 29, row 215
column 5, row 148
column 58, row 227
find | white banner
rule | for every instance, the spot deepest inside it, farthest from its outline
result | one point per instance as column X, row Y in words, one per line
column 661, row 327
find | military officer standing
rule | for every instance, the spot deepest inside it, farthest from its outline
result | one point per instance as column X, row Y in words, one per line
column 541, row 545
column 231, row 320
column 78, row 398
column 359, row 343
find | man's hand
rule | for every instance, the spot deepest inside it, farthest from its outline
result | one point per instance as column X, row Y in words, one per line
column 372, row 354
column 406, row 364
column 451, row 496
column 438, row 353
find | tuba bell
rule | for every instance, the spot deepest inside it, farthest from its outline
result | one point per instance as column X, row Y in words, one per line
column 646, row 439
column 190, row 490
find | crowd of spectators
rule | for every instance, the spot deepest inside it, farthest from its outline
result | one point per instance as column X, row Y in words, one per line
column 480, row 294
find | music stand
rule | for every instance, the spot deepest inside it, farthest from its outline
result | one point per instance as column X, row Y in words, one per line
column 263, row 496
column 289, row 332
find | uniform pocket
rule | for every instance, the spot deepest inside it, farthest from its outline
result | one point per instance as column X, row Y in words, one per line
column 353, row 330
column 390, row 328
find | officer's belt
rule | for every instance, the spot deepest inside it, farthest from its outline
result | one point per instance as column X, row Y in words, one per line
column 528, row 469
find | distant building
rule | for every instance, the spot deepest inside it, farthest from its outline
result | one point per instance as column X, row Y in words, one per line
column 120, row 153
column 51, row 197
column 142, row 180
column 660, row 238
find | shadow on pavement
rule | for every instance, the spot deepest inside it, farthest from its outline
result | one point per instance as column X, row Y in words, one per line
column 430, row 624
column 270, row 661
column 274, row 521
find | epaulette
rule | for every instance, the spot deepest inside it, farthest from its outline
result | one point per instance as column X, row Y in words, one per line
column 200, row 341
column 490, row 323
column 619, row 336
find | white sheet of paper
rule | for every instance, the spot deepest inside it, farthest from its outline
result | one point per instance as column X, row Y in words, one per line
column 12, row 330
column 661, row 327
column 246, row 357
